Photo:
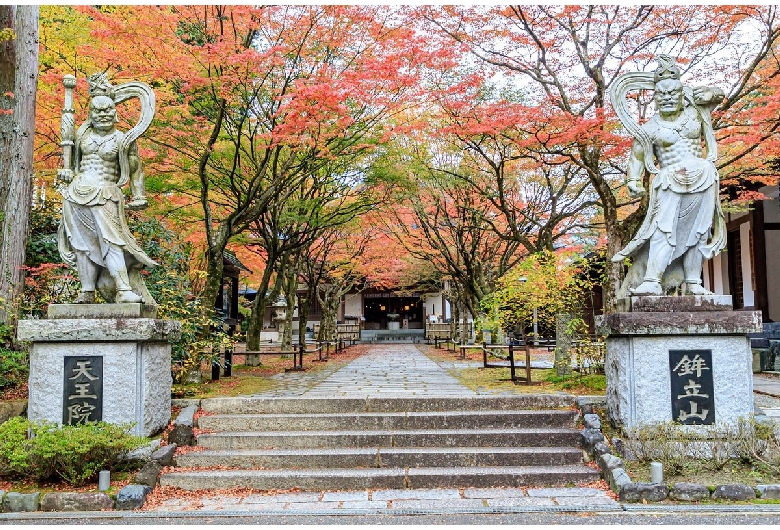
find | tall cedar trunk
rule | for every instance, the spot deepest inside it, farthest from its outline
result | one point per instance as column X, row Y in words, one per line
column 464, row 324
column 18, row 76
column 259, row 305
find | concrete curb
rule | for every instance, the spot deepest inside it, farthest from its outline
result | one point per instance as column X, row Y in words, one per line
column 582, row 508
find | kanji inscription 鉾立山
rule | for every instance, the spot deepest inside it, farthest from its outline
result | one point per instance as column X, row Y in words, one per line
column 692, row 387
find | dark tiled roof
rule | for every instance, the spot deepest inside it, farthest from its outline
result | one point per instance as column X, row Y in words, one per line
column 231, row 258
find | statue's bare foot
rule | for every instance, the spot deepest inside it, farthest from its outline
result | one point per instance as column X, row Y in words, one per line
column 696, row 289
column 127, row 297
column 86, row 297
column 137, row 204
column 648, row 289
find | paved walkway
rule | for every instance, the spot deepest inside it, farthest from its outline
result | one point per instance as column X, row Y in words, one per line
column 766, row 391
column 390, row 370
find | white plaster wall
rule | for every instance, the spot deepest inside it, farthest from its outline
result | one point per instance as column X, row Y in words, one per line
column 748, row 296
column 772, row 206
column 433, row 305
column 353, row 304
column 734, row 216
column 772, row 278
column 720, row 272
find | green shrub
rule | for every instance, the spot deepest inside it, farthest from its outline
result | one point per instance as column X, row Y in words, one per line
column 14, row 364
column 74, row 453
column 13, row 368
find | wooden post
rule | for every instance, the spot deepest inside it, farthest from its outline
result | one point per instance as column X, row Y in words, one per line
column 512, row 362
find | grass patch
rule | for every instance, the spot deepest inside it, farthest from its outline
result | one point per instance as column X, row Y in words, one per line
column 733, row 473
column 248, row 380
column 497, row 380
column 576, row 383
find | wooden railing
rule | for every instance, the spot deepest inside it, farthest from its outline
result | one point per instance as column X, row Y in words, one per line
column 497, row 351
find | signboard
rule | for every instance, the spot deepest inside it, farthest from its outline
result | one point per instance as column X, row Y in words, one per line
column 693, row 392
column 82, row 390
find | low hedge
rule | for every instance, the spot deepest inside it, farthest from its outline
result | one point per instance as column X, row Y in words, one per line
column 72, row 453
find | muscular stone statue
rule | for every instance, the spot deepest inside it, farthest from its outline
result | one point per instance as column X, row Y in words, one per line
column 94, row 236
column 684, row 224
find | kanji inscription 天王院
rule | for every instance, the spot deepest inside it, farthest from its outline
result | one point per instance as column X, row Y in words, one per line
column 82, row 390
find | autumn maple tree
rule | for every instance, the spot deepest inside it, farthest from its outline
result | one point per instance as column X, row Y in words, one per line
column 269, row 118
column 564, row 59
column 253, row 101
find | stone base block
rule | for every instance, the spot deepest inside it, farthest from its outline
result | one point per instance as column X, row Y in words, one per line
column 675, row 304
column 133, row 385
column 639, row 377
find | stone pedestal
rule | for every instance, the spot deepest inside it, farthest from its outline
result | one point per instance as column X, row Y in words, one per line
column 109, row 362
column 673, row 358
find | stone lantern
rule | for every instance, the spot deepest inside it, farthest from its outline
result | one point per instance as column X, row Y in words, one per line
column 280, row 314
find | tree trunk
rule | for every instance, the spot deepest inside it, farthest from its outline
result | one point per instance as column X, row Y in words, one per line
column 303, row 318
column 455, row 319
column 290, row 284
column 19, row 77
column 259, row 305
column 563, row 340
column 464, row 325
column 215, row 266
column 304, row 307
column 329, row 298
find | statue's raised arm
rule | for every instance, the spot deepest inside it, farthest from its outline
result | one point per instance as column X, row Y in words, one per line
column 684, row 224
column 98, row 160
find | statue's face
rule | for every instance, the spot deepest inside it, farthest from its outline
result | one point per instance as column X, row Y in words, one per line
column 102, row 113
column 669, row 96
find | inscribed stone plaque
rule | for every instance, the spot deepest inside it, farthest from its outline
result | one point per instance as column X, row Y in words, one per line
column 693, row 391
column 82, row 390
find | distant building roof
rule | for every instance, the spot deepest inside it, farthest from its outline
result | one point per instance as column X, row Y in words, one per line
column 231, row 258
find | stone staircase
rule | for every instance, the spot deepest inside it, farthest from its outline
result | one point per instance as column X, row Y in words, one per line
column 384, row 443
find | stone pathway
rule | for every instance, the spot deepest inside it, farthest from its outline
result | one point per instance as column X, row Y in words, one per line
column 766, row 391
column 424, row 500
column 387, row 371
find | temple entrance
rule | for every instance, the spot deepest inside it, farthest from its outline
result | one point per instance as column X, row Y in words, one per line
column 383, row 311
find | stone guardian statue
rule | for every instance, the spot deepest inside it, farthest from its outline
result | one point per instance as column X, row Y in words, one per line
column 684, row 224
column 98, row 161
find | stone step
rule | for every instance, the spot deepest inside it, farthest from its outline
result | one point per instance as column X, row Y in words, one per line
column 549, row 437
column 388, row 420
column 390, row 457
column 381, row 478
column 300, row 405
